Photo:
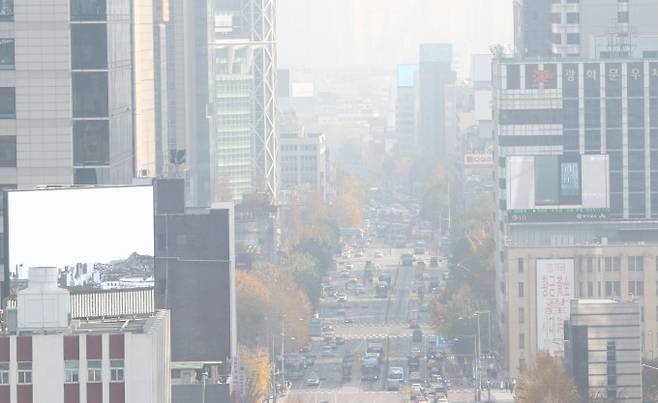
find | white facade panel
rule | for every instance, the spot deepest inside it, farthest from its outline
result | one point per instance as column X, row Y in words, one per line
column 555, row 289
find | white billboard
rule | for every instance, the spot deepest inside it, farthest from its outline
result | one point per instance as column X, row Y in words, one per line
column 520, row 182
column 595, row 169
column 66, row 226
column 555, row 289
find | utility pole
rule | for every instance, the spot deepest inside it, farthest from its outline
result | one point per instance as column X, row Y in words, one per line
column 204, row 378
column 283, row 352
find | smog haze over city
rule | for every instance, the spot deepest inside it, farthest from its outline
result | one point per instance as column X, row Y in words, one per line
column 307, row 201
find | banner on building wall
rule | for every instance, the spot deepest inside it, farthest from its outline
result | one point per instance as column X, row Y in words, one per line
column 555, row 289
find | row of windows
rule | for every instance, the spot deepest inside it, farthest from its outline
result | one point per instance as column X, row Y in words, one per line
column 607, row 264
column 71, row 372
column 572, row 18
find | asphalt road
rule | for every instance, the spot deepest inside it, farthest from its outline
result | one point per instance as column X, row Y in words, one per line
column 371, row 319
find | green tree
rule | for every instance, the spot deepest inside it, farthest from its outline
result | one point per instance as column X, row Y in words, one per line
column 303, row 268
column 453, row 312
column 545, row 381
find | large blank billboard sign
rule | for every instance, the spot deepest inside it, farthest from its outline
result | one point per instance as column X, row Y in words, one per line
column 62, row 227
column 555, row 289
column 520, row 182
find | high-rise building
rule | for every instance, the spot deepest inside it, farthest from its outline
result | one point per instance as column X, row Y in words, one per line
column 576, row 166
column 604, row 349
column 435, row 75
column 304, row 162
column 243, row 138
column 221, row 98
column 532, row 27
column 185, row 57
column 588, row 28
column 77, row 92
column 405, row 108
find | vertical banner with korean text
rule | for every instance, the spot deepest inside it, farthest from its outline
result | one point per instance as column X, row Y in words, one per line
column 555, row 289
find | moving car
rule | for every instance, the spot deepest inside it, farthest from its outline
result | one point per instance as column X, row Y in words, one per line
column 313, row 380
column 395, row 378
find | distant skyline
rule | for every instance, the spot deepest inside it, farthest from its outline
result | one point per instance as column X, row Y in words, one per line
column 343, row 34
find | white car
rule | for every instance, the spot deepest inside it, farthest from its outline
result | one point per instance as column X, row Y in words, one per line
column 379, row 254
column 313, row 380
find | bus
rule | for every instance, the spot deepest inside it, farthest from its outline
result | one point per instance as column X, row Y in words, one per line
column 315, row 327
column 295, row 367
column 370, row 369
column 381, row 291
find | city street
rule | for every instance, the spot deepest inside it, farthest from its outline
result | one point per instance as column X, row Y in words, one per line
column 352, row 319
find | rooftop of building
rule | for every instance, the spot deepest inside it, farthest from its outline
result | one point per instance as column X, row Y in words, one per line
column 138, row 324
column 513, row 59
column 120, row 324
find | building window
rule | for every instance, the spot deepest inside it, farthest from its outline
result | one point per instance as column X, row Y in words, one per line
column 94, row 371
column 639, row 288
column 521, row 341
column 521, row 364
column 608, row 288
column 616, row 263
column 520, row 265
column 116, row 370
column 7, row 103
column 636, row 263
column 24, row 372
column 7, row 151
column 573, row 39
column 557, row 39
column 520, row 290
column 521, row 316
column 4, row 373
column 608, row 263
column 590, row 264
column 631, row 288
column 6, row 10
column 91, row 142
column 573, row 18
column 622, row 17
column 590, row 289
column 71, row 371
column 7, row 61
column 616, row 288
column 556, row 18
column 89, row 46
column 88, row 10
column 90, row 99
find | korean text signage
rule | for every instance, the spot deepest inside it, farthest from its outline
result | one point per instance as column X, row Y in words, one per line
column 478, row 160
column 555, row 289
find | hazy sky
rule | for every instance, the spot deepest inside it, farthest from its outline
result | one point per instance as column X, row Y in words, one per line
column 357, row 33
column 63, row 227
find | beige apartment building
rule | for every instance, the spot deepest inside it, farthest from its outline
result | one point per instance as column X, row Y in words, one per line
column 622, row 271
